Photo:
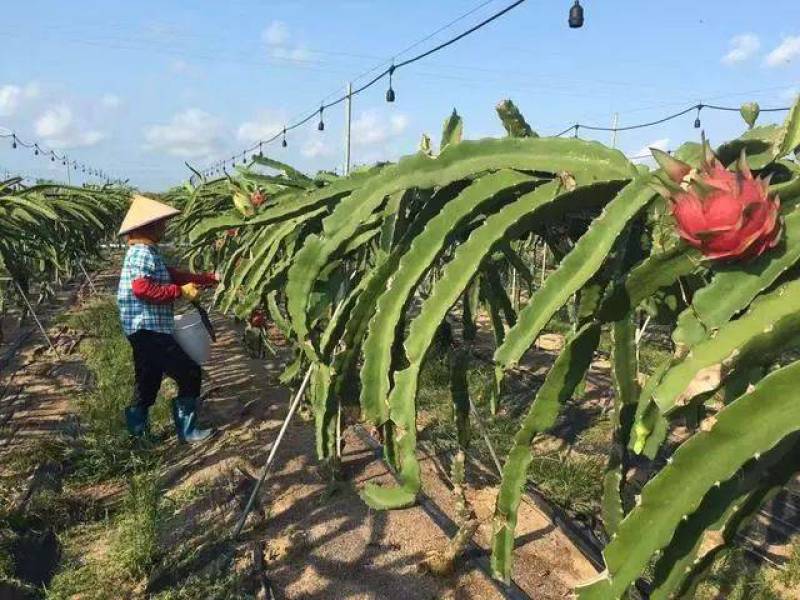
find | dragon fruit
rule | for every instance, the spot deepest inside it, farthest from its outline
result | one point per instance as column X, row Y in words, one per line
column 727, row 215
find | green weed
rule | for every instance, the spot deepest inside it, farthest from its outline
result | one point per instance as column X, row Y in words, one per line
column 735, row 577
column 134, row 543
column 790, row 575
column 570, row 480
column 209, row 587
column 131, row 552
column 108, row 450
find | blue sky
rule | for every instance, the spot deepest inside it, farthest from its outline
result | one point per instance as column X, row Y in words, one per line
column 137, row 88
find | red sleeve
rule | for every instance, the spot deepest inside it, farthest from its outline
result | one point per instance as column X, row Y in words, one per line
column 148, row 290
column 183, row 277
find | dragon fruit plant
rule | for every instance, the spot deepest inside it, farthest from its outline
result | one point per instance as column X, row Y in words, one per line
column 360, row 272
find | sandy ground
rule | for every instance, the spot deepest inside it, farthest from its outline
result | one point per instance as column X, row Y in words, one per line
column 347, row 550
column 316, row 540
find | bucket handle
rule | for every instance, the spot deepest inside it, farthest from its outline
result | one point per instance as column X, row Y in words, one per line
column 206, row 321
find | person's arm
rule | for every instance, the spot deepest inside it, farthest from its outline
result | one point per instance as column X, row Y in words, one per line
column 144, row 284
column 144, row 288
column 182, row 277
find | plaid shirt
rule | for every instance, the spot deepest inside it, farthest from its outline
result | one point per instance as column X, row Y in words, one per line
column 143, row 260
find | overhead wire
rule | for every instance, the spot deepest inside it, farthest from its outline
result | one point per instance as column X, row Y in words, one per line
column 394, row 65
column 41, row 150
column 576, row 127
column 389, row 71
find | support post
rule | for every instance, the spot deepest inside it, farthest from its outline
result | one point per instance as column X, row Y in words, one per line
column 348, row 114
column 86, row 274
column 614, row 125
column 272, row 451
column 21, row 292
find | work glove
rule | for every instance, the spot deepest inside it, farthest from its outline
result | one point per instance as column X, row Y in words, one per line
column 190, row 291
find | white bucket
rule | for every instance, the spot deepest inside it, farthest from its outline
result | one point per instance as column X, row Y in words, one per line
column 191, row 335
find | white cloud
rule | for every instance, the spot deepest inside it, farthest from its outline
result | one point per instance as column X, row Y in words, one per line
column 644, row 154
column 790, row 95
column 298, row 54
column 266, row 125
column 58, row 129
column 11, row 97
column 9, row 100
column 785, row 52
column 371, row 127
column 275, row 34
column 110, row 101
column 192, row 133
column 54, row 121
column 742, row 47
column 314, row 148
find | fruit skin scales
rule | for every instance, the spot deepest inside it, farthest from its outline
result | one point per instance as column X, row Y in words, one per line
column 726, row 215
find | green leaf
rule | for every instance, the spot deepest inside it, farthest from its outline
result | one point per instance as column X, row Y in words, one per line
column 574, row 270
column 679, row 488
column 749, row 112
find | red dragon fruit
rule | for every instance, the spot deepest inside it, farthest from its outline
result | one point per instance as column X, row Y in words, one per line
column 257, row 198
column 727, row 215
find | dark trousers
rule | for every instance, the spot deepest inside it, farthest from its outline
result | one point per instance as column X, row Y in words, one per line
column 156, row 355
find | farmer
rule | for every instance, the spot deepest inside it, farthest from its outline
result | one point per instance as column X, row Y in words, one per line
column 147, row 291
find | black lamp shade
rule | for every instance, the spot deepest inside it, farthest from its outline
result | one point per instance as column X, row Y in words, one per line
column 576, row 15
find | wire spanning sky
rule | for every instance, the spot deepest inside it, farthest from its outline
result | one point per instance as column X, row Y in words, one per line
column 139, row 88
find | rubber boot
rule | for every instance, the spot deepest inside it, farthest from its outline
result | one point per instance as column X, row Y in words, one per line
column 136, row 420
column 184, row 414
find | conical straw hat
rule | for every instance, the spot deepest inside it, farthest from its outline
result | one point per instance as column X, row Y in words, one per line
column 143, row 211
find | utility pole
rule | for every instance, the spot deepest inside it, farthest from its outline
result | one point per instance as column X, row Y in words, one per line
column 614, row 126
column 348, row 113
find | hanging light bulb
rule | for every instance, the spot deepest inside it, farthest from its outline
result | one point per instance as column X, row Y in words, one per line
column 697, row 123
column 260, row 150
column 13, row 141
column 390, row 91
column 36, row 149
column 52, row 156
column 244, row 158
column 321, row 126
column 576, row 15
column 283, row 141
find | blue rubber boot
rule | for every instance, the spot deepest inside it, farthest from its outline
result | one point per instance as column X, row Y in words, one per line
column 184, row 414
column 136, row 420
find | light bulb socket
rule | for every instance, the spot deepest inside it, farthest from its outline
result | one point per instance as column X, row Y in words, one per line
column 576, row 15
column 390, row 95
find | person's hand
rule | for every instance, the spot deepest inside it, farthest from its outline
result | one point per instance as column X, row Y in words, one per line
column 190, row 291
column 210, row 280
